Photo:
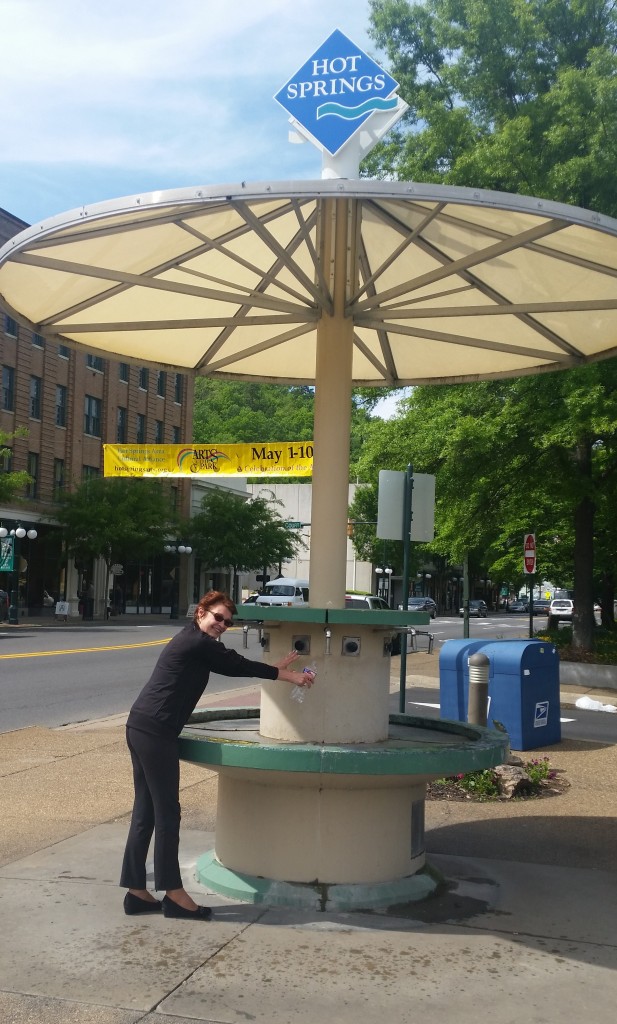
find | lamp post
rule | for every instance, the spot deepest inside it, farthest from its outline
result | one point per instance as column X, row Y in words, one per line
column 424, row 576
column 179, row 550
column 457, row 581
column 16, row 536
column 384, row 580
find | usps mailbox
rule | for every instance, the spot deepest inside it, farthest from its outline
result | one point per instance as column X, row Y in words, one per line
column 523, row 688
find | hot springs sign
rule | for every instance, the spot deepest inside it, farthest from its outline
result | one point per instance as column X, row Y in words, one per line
column 335, row 93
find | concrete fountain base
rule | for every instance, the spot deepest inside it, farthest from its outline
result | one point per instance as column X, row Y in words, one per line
column 327, row 825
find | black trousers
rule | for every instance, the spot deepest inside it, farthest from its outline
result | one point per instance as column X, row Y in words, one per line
column 156, row 778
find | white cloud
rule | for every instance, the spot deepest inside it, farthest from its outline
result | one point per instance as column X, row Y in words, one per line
column 149, row 89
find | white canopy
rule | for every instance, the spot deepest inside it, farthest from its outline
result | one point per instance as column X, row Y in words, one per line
column 443, row 284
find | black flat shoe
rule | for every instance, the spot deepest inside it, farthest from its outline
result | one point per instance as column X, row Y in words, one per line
column 135, row 905
column 171, row 909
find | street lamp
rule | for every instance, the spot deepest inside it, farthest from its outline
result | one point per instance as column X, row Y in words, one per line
column 384, row 579
column 16, row 536
column 424, row 576
column 179, row 550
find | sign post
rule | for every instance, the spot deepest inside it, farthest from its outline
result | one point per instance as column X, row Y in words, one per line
column 529, row 568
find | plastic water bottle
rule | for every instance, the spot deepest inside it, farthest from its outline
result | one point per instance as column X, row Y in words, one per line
column 299, row 692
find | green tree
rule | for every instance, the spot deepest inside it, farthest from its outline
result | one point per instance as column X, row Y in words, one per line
column 245, row 536
column 519, row 96
column 117, row 520
column 11, row 483
column 235, row 412
column 514, row 95
column 533, row 454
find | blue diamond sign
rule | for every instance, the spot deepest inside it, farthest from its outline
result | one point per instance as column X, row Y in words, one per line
column 336, row 91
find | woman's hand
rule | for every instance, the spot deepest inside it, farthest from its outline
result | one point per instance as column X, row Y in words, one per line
column 287, row 660
column 306, row 678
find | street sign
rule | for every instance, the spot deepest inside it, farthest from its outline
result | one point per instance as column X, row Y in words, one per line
column 293, row 526
column 117, row 569
column 336, row 91
column 529, row 554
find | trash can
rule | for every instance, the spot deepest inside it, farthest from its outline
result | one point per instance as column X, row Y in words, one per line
column 523, row 688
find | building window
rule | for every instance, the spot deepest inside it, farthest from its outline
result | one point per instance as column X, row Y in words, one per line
column 92, row 416
column 141, row 428
column 61, row 395
column 161, row 383
column 10, row 327
column 36, row 390
column 179, row 388
column 8, row 388
column 121, row 425
column 63, row 351
column 159, row 432
column 58, row 477
column 95, row 363
column 32, row 488
column 144, row 376
column 175, row 433
column 89, row 473
column 124, row 372
column 38, row 340
column 6, row 461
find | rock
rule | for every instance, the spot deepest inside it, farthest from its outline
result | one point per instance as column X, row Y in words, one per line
column 514, row 759
column 512, row 781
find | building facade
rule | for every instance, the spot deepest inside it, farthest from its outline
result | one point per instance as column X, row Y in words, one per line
column 63, row 405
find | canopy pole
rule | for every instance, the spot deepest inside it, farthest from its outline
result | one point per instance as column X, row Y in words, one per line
column 332, row 426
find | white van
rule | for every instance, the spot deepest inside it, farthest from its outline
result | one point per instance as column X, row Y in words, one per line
column 284, row 593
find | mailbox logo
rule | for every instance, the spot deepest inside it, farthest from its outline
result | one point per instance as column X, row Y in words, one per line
column 541, row 716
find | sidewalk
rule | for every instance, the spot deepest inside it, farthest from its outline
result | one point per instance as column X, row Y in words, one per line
column 524, row 930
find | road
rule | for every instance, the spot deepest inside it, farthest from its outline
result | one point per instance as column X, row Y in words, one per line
column 55, row 676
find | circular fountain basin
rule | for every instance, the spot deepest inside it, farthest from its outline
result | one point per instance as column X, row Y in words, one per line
column 327, row 825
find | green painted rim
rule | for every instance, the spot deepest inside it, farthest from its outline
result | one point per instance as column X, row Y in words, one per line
column 473, row 748
column 255, row 889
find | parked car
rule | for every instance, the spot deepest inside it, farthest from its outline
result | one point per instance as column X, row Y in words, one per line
column 519, row 606
column 422, row 604
column 4, row 605
column 561, row 610
column 251, row 599
column 368, row 602
column 479, row 609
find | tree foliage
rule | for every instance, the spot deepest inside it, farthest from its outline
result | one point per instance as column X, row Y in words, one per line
column 513, row 95
column 231, row 532
column 10, row 483
column 518, row 96
column 117, row 520
column 534, row 454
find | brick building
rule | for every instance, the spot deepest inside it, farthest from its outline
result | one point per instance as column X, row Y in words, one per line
column 71, row 402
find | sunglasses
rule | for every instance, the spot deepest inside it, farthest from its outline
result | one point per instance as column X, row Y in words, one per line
column 221, row 618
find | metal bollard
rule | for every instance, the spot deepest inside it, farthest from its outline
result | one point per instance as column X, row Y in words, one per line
column 477, row 704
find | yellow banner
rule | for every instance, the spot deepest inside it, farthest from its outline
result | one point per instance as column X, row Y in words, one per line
column 289, row 458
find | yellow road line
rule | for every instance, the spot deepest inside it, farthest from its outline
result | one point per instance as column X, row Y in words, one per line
column 85, row 650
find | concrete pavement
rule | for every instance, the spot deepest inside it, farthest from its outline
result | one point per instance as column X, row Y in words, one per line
column 525, row 928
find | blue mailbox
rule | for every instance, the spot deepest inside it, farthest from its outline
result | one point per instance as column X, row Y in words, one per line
column 523, row 687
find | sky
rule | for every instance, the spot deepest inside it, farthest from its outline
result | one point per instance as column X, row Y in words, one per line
column 99, row 100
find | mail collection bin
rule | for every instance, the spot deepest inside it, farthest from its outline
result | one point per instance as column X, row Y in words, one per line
column 523, row 687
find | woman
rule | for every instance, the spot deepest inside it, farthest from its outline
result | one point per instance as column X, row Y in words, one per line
column 155, row 721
